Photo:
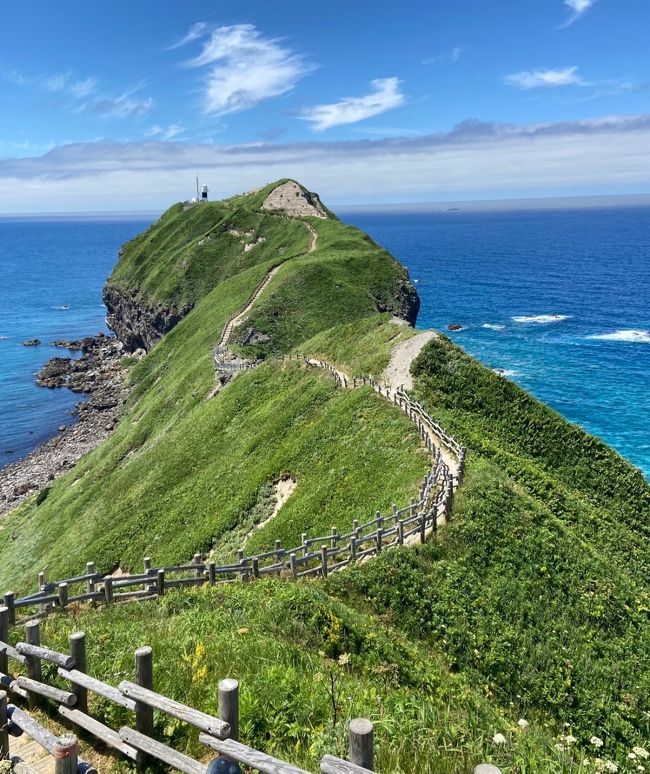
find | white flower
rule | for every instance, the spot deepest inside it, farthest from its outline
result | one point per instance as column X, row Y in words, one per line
column 640, row 767
column 609, row 766
column 499, row 739
column 631, row 756
column 523, row 723
column 559, row 747
column 596, row 741
column 569, row 740
column 641, row 752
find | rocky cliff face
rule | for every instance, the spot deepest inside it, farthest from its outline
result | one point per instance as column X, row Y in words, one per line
column 406, row 304
column 136, row 323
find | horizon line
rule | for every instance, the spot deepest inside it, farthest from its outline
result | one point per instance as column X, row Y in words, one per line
column 587, row 201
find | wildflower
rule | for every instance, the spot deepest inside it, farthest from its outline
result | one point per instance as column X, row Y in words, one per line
column 596, row 741
column 609, row 766
column 344, row 659
column 499, row 739
column 640, row 767
column 318, row 677
column 559, row 747
column 641, row 752
column 569, row 740
column 523, row 723
column 631, row 756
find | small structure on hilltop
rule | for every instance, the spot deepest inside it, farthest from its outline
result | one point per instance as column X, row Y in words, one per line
column 201, row 193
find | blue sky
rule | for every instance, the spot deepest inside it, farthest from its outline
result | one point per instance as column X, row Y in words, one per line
column 116, row 105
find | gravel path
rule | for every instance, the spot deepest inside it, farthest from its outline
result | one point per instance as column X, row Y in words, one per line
column 398, row 371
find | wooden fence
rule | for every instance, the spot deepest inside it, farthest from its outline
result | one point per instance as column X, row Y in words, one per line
column 137, row 741
column 315, row 556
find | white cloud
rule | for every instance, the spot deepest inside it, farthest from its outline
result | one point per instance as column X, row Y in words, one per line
column 545, row 79
column 165, row 133
column 245, row 68
column 385, row 95
column 123, row 106
column 447, row 57
column 65, row 83
column 196, row 31
column 578, row 8
column 475, row 160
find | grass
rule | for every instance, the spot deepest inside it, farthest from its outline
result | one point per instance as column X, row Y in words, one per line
column 538, row 590
column 533, row 604
column 183, row 474
column 306, row 666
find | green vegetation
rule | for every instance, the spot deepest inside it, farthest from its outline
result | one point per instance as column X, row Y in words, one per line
column 306, row 665
column 183, row 473
column 533, row 604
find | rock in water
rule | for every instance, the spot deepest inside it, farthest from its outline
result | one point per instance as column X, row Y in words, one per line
column 31, row 343
column 455, row 327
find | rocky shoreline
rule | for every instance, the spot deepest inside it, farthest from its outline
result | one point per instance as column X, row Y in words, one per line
column 98, row 374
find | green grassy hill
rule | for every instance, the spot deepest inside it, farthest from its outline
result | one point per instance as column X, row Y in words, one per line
column 533, row 603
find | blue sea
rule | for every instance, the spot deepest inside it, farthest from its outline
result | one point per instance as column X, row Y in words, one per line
column 51, row 278
column 558, row 299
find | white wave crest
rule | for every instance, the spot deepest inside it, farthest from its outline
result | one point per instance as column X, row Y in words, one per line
column 4, row 338
column 62, row 308
column 505, row 372
column 541, row 319
column 493, row 327
column 636, row 336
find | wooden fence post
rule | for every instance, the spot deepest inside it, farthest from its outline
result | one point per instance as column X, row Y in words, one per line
column 335, row 537
column 66, row 754
column 77, row 649
column 400, row 532
column 362, row 744
column 198, row 560
column 4, row 723
column 212, row 573
column 108, row 589
column 160, row 583
column 323, row 561
column 292, row 565
column 143, row 712
column 63, row 595
column 229, row 705
column 33, row 637
column 9, row 604
column 256, row 567
column 4, row 637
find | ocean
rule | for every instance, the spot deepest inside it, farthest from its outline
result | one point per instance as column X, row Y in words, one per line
column 51, row 277
column 557, row 299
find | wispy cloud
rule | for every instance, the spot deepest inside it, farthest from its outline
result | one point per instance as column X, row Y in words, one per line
column 66, row 83
column 125, row 105
column 545, row 79
column 447, row 57
column 195, row 32
column 385, row 95
column 84, row 95
column 473, row 160
column 165, row 132
column 244, row 68
column 577, row 8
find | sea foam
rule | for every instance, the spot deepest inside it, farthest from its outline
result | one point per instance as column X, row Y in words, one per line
column 541, row 319
column 507, row 373
column 636, row 336
column 493, row 327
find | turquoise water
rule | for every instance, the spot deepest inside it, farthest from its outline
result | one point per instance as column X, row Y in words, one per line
column 558, row 299
column 51, row 277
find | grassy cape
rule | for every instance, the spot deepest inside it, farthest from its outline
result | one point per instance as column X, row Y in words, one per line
column 532, row 605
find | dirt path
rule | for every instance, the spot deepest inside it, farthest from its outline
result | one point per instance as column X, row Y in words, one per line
column 398, row 371
column 233, row 322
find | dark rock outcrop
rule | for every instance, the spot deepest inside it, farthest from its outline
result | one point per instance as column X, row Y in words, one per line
column 31, row 343
column 137, row 323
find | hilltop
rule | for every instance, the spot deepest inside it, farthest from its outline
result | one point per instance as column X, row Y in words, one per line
column 533, row 602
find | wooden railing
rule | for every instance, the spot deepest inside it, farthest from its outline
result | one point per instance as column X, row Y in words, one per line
column 137, row 742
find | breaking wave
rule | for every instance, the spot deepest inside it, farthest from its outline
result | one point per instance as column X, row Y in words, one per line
column 541, row 319
column 507, row 373
column 493, row 327
column 636, row 336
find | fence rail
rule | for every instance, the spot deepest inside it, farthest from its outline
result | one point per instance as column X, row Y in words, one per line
column 137, row 742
